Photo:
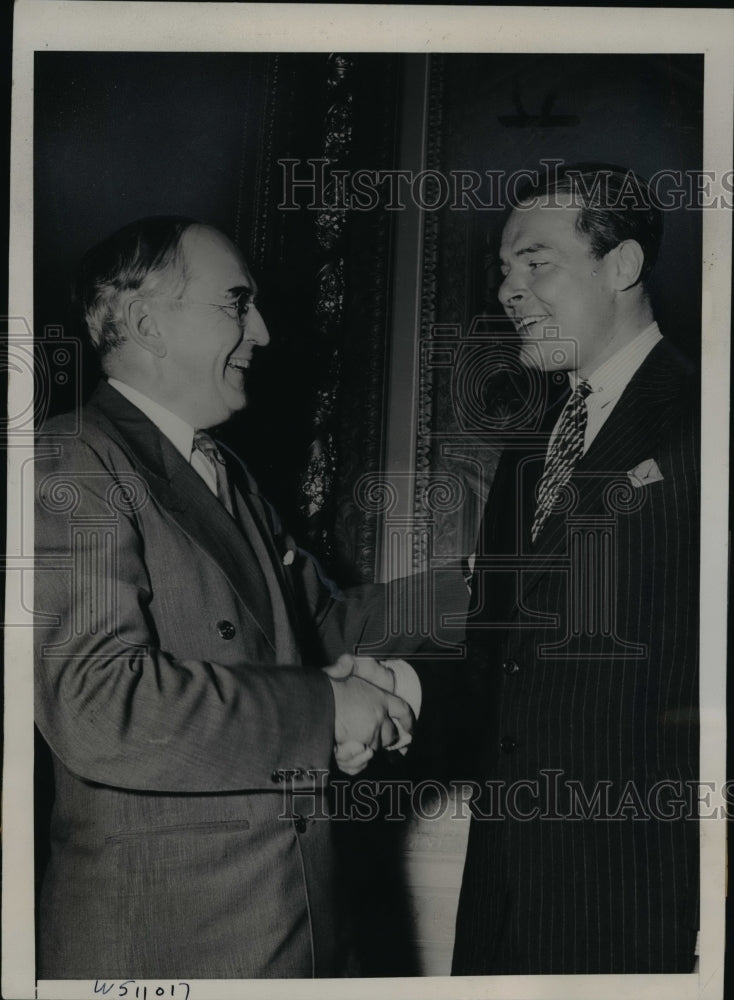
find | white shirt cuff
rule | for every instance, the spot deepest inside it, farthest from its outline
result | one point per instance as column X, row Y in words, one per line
column 407, row 684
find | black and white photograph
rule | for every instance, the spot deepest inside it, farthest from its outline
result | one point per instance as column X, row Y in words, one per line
column 366, row 570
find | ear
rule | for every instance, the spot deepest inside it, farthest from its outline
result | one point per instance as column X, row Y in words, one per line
column 627, row 264
column 143, row 328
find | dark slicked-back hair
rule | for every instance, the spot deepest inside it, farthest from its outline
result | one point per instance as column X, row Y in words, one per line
column 614, row 205
column 138, row 259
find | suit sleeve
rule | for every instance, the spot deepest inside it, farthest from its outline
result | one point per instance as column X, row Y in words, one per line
column 114, row 705
column 409, row 618
column 422, row 614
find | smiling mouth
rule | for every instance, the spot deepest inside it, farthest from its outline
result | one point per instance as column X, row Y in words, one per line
column 523, row 324
column 238, row 364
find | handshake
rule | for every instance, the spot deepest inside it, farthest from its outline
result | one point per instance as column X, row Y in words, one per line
column 367, row 713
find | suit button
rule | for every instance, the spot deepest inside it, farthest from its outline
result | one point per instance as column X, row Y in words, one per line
column 300, row 824
column 276, row 777
column 510, row 666
column 508, row 744
column 226, row 629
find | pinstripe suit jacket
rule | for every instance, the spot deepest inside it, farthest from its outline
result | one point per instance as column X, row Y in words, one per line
column 582, row 856
column 170, row 688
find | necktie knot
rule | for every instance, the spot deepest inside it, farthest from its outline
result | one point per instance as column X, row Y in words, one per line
column 582, row 389
column 206, row 445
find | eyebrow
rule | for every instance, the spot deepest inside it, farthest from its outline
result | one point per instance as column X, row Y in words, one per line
column 532, row 248
column 237, row 290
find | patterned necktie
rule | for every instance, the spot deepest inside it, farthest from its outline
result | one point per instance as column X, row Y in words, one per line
column 207, row 447
column 564, row 453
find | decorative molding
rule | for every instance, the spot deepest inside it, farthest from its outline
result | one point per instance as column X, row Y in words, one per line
column 318, row 479
column 429, row 293
column 263, row 222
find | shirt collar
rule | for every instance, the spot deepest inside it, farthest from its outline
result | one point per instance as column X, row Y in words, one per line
column 611, row 378
column 178, row 432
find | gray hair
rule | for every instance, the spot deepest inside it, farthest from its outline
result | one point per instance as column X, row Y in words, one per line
column 139, row 258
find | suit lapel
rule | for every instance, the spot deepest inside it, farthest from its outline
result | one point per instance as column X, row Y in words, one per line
column 184, row 496
column 630, row 435
column 645, row 410
column 253, row 513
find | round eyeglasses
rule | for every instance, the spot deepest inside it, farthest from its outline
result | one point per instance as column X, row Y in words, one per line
column 239, row 307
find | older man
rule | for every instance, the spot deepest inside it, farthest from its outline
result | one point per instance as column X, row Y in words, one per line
column 171, row 688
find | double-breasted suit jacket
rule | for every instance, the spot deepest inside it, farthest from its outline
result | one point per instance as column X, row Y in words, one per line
column 171, row 691
column 583, row 853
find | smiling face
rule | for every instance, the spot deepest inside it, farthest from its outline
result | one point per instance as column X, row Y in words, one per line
column 563, row 300
column 207, row 348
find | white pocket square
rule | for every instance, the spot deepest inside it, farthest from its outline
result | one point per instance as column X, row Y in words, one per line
column 645, row 473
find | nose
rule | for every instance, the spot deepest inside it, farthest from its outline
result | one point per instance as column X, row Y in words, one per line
column 255, row 329
column 511, row 291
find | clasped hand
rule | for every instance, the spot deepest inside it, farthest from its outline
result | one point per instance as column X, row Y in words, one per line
column 367, row 714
